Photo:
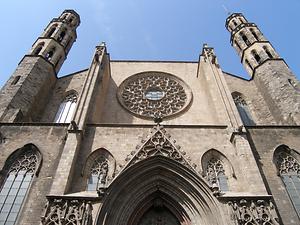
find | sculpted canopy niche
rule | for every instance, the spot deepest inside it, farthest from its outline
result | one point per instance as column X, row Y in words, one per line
column 154, row 94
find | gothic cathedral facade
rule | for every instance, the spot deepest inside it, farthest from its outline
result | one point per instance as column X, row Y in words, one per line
column 150, row 142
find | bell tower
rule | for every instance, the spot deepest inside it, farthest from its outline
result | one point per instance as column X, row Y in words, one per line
column 271, row 74
column 57, row 39
column 25, row 94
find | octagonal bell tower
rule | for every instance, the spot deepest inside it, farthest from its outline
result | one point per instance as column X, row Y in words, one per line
column 57, row 39
column 271, row 74
column 25, row 94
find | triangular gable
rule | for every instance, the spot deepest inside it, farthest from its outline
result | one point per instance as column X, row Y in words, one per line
column 159, row 142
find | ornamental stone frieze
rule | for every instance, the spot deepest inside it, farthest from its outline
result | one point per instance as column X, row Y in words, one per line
column 68, row 211
column 154, row 94
column 253, row 211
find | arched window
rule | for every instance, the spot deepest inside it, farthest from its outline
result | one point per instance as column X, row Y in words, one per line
column 52, row 30
column 19, row 171
column 245, row 39
column 215, row 174
column 243, row 109
column 99, row 169
column 66, row 109
column 268, row 52
column 61, row 36
column 254, row 34
column 289, row 170
column 50, row 54
column 256, row 56
column 38, row 48
column 98, row 174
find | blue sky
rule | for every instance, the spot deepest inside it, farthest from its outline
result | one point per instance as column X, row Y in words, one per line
column 148, row 30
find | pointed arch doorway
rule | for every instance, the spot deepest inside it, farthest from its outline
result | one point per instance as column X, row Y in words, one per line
column 159, row 191
column 158, row 209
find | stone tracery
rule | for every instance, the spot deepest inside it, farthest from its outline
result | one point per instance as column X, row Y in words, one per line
column 173, row 95
column 287, row 164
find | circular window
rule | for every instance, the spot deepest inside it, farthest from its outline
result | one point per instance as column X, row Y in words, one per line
column 154, row 94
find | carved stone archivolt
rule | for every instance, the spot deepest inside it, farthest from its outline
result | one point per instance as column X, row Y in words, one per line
column 60, row 211
column 154, row 94
column 159, row 142
column 253, row 212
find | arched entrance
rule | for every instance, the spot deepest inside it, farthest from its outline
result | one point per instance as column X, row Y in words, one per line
column 158, row 215
column 158, row 188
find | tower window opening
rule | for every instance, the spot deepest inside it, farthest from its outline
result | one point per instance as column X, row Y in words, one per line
column 254, row 34
column 256, row 56
column 245, row 39
column 268, row 52
column 241, row 20
column 38, row 49
column 61, row 36
column 52, row 30
column 50, row 54
column 235, row 23
column 16, row 80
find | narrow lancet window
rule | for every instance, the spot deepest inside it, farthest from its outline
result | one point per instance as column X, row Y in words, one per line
column 243, row 109
column 66, row 109
column 268, row 52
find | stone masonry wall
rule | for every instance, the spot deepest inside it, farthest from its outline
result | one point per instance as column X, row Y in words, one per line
column 264, row 142
column 62, row 87
column 259, row 110
column 49, row 141
column 121, row 141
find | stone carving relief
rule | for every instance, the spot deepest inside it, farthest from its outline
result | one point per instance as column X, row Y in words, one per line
column 154, row 94
column 253, row 212
column 67, row 212
column 287, row 164
column 159, row 142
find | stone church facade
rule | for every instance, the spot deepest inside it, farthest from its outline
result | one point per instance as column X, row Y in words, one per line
column 150, row 142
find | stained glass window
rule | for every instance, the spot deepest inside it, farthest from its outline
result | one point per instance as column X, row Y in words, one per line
column 16, row 186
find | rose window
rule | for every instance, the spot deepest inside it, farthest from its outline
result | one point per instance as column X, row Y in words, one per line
column 154, row 94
